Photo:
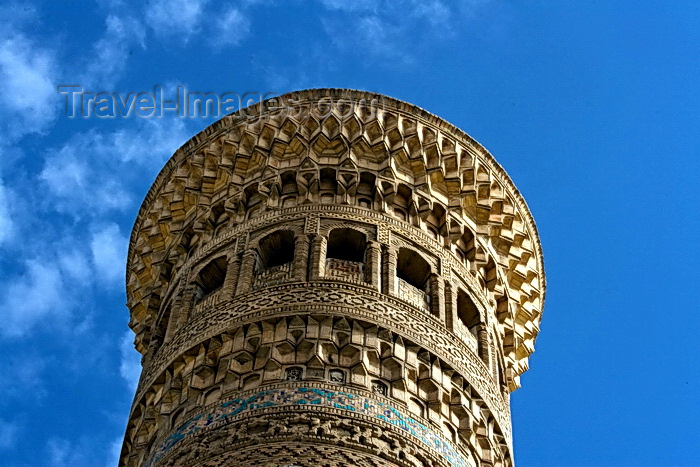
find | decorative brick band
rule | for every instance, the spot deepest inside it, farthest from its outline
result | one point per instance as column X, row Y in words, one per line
column 248, row 405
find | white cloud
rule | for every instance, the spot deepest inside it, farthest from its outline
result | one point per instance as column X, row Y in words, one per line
column 231, row 28
column 150, row 143
column 175, row 17
column 75, row 266
column 130, row 366
column 372, row 34
column 37, row 296
column 112, row 50
column 63, row 452
column 8, row 434
column 345, row 5
column 6, row 224
column 94, row 172
column 394, row 32
column 108, row 248
column 435, row 12
column 27, row 91
column 76, row 185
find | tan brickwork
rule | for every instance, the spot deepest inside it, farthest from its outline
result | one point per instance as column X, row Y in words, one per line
column 354, row 282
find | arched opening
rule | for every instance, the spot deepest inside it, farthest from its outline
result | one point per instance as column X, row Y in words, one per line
column 289, row 183
column 276, row 249
column 464, row 248
column 218, row 218
column 254, row 201
column 469, row 316
column 413, row 278
column 365, row 190
column 402, row 202
column 290, row 189
column 275, row 258
column 347, row 244
column 449, row 432
column 327, row 186
column 435, row 221
column 345, row 254
column 416, row 406
column 210, row 278
column 467, row 312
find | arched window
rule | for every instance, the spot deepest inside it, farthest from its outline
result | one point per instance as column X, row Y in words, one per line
column 210, row 278
column 276, row 249
column 289, row 183
column 364, row 203
column 327, row 185
column 289, row 201
column 468, row 314
column 347, row 244
column 345, row 254
column 365, row 189
column 450, row 432
column 464, row 247
column 413, row 273
column 402, row 202
column 416, row 406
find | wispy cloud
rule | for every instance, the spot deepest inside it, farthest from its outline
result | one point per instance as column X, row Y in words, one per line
column 108, row 248
column 130, row 366
column 6, row 224
column 76, row 183
column 175, row 18
column 94, row 172
column 232, row 26
column 393, row 32
column 35, row 296
column 27, row 88
column 111, row 52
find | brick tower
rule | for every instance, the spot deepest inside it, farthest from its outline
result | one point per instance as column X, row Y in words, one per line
column 330, row 278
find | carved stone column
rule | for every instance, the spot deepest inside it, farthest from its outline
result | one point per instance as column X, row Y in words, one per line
column 437, row 296
column 389, row 259
column 482, row 336
column 373, row 264
column 245, row 283
column 187, row 302
column 301, row 258
column 450, row 305
column 232, row 268
column 319, row 245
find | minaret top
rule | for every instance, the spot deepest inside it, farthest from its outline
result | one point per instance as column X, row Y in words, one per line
column 357, row 138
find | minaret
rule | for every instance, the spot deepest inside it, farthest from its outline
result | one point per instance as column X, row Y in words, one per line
column 330, row 278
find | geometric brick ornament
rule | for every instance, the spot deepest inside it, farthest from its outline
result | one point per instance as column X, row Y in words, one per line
column 330, row 277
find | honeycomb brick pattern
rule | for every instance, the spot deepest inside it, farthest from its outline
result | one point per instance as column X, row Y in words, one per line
column 355, row 246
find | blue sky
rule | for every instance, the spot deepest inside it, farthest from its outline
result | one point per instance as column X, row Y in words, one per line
column 592, row 107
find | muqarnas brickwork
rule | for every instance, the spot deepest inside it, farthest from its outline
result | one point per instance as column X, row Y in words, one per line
column 355, row 282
